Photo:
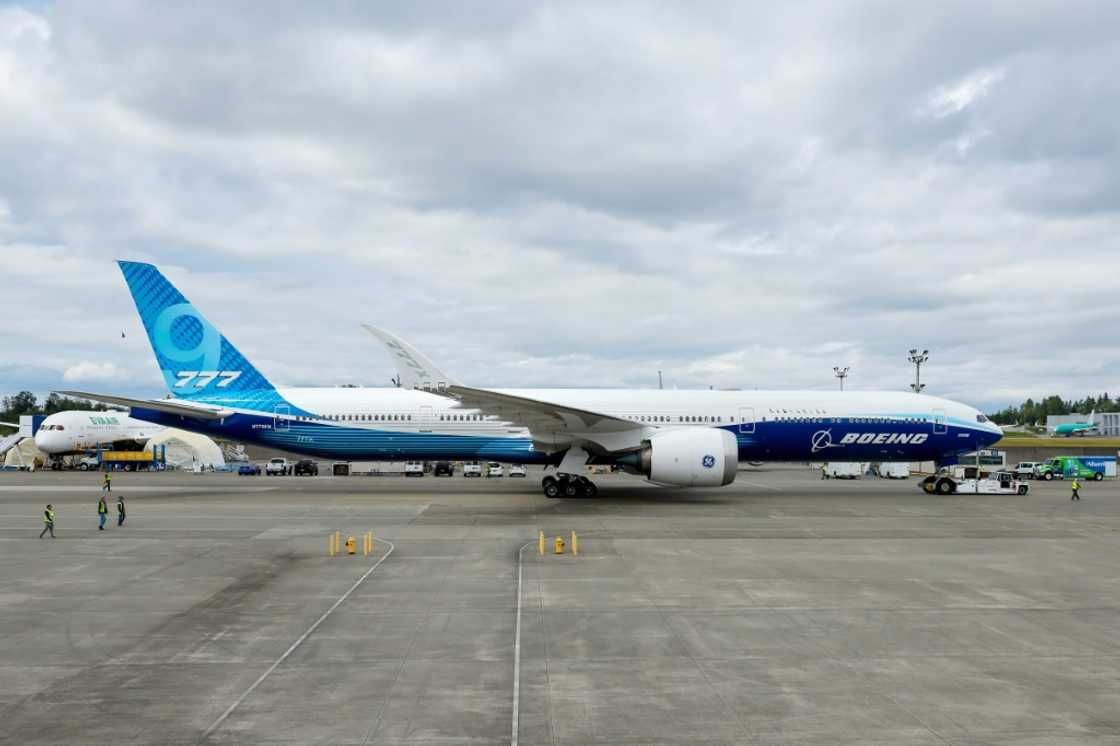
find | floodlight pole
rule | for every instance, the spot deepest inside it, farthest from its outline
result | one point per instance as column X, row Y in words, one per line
column 917, row 358
column 841, row 373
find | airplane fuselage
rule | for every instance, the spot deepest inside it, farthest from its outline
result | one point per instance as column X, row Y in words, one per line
column 400, row 424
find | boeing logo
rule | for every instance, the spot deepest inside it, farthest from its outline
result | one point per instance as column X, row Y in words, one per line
column 880, row 439
column 822, row 439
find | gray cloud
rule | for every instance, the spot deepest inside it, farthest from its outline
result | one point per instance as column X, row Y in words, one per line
column 571, row 193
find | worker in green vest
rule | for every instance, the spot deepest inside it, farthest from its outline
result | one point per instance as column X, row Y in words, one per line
column 107, row 483
column 102, row 512
column 1076, row 486
column 48, row 521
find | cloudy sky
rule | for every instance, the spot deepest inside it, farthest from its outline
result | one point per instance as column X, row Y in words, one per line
column 570, row 193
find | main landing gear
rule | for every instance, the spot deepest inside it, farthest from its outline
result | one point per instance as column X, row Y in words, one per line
column 568, row 485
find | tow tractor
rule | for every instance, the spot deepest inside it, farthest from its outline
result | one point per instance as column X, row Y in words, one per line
column 998, row 483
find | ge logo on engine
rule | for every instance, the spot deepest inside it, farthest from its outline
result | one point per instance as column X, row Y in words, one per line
column 709, row 461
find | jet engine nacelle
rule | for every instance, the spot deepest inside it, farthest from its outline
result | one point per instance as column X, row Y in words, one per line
column 688, row 457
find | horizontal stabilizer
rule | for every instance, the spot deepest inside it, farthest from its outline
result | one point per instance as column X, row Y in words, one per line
column 168, row 406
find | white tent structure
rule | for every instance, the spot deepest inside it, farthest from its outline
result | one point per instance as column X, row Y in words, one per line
column 187, row 450
column 25, row 455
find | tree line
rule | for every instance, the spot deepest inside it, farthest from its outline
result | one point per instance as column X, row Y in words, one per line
column 25, row 402
column 1034, row 413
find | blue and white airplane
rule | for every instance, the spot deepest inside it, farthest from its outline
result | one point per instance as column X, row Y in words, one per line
column 681, row 438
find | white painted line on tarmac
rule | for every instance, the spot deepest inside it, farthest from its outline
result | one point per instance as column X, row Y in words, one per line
column 291, row 649
column 517, row 649
column 144, row 489
column 759, row 484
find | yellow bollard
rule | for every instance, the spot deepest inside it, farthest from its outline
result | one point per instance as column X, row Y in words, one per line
column 330, row 545
column 337, row 542
column 575, row 543
column 540, row 543
column 351, row 545
column 559, row 545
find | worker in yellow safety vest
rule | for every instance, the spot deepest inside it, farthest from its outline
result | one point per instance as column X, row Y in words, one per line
column 106, row 483
column 1076, row 486
column 48, row 521
column 102, row 512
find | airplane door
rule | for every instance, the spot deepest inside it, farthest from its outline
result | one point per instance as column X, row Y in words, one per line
column 939, row 427
column 746, row 419
column 280, row 417
column 425, row 419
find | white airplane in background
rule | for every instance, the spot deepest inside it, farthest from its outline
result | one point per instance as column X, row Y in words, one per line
column 680, row 438
column 64, row 433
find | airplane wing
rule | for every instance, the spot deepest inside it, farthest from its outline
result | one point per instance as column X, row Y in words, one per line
column 537, row 414
column 170, row 406
column 415, row 369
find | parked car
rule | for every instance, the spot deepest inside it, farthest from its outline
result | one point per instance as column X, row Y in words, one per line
column 1026, row 469
column 276, row 467
column 305, row 467
column 249, row 470
column 414, row 469
column 443, row 469
column 517, row 470
column 494, row 469
column 472, row 469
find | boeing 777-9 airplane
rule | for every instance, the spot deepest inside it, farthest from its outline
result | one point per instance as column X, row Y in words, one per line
column 681, row 438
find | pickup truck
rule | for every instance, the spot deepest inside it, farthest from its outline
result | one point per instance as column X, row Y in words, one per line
column 472, row 469
column 306, row 467
column 276, row 467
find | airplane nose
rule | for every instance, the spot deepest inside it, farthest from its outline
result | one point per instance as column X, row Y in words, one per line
column 47, row 442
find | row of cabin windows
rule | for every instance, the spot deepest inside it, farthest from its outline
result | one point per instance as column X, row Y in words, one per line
column 801, row 415
column 682, row 418
column 393, row 417
column 361, row 417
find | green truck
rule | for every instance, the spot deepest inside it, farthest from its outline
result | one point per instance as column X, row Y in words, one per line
column 1078, row 467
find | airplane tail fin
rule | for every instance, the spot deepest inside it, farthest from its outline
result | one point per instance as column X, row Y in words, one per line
column 198, row 363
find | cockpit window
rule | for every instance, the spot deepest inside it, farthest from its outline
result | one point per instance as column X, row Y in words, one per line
column 981, row 418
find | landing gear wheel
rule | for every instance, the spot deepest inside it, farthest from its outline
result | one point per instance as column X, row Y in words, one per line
column 588, row 488
column 945, row 487
column 550, row 487
column 569, row 487
column 929, row 485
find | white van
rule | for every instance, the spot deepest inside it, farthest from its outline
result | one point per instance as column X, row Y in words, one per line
column 472, row 469
column 414, row 469
column 894, row 470
column 844, row 469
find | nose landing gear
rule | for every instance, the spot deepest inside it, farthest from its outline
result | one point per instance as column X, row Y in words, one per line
column 568, row 485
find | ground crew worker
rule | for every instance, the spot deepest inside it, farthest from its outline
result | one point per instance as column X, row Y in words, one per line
column 106, row 483
column 824, row 471
column 48, row 521
column 1076, row 486
column 102, row 512
column 120, row 510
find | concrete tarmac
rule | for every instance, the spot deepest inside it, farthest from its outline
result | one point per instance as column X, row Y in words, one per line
column 781, row 610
